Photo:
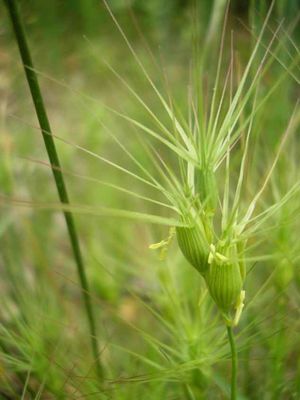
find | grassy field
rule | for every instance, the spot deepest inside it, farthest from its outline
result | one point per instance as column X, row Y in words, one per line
column 150, row 234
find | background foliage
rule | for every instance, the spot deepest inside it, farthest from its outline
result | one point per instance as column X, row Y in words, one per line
column 160, row 334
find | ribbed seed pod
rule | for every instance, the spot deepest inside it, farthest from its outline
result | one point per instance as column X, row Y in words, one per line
column 225, row 284
column 225, row 280
column 206, row 186
column 194, row 247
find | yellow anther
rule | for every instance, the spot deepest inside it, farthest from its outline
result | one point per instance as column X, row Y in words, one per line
column 164, row 244
column 221, row 258
column 214, row 255
column 239, row 307
column 159, row 245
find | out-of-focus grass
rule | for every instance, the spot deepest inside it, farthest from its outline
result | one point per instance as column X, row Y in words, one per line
column 161, row 336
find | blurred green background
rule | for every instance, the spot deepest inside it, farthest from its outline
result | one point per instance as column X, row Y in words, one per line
column 156, row 341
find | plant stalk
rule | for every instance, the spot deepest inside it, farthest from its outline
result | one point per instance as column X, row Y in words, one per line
column 234, row 363
column 56, row 170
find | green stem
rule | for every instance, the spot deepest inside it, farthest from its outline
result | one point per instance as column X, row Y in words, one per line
column 56, row 170
column 234, row 363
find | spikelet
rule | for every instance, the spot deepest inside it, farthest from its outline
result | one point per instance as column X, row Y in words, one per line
column 225, row 279
column 194, row 246
column 194, row 241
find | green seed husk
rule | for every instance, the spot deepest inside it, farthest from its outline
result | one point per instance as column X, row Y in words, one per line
column 194, row 246
column 225, row 278
column 225, row 284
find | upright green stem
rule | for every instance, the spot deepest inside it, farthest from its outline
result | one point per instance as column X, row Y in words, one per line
column 56, row 170
column 234, row 362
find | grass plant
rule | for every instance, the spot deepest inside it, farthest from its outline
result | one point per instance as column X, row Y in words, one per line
column 201, row 156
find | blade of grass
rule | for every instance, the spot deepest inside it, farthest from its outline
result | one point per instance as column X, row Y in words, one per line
column 58, row 177
column 92, row 210
column 103, row 183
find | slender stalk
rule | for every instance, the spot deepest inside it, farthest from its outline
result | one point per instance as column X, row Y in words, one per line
column 56, row 170
column 234, row 363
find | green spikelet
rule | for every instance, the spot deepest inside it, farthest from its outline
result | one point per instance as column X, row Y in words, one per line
column 194, row 246
column 225, row 279
column 225, row 284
